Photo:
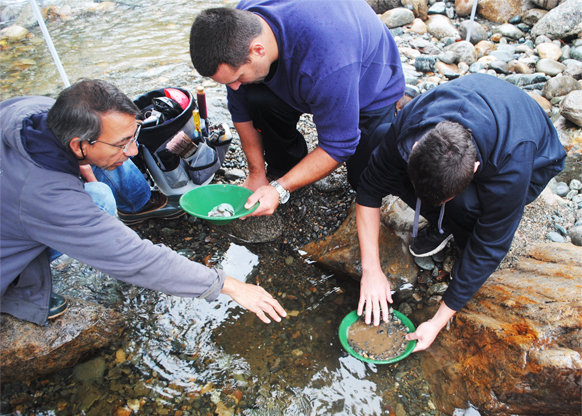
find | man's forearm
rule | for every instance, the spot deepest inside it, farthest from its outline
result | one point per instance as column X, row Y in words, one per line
column 252, row 144
column 316, row 165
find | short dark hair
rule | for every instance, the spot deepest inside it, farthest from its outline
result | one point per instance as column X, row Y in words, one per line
column 442, row 163
column 78, row 109
column 222, row 36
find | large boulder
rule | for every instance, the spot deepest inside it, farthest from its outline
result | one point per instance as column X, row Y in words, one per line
column 340, row 252
column 516, row 347
column 563, row 21
column 29, row 351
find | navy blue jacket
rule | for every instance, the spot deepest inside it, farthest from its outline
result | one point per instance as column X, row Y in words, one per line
column 518, row 150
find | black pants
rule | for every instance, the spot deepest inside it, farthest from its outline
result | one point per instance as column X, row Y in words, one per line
column 285, row 146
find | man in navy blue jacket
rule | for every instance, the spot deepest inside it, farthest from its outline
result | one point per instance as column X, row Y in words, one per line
column 474, row 151
column 281, row 58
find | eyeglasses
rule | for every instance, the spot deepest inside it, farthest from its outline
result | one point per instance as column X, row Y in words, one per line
column 125, row 147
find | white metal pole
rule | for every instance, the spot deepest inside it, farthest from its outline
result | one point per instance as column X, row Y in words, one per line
column 473, row 10
column 49, row 42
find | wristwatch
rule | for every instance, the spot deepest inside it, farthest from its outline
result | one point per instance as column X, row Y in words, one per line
column 283, row 193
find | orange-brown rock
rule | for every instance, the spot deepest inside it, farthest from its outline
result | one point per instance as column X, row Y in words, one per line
column 502, row 10
column 516, row 346
column 340, row 252
column 29, row 351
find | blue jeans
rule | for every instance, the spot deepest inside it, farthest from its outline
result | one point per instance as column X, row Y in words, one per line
column 129, row 187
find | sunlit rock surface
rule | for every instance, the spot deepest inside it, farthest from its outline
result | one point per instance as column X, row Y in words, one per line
column 515, row 348
column 341, row 251
column 29, row 351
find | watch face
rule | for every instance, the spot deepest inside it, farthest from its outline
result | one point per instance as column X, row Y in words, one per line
column 285, row 197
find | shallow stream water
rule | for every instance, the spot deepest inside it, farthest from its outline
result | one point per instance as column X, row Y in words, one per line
column 182, row 356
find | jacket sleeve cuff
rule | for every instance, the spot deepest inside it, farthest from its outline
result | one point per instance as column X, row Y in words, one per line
column 214, row 290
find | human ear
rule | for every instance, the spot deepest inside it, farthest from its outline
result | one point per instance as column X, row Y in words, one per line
column 76, row 146
column 258, row 49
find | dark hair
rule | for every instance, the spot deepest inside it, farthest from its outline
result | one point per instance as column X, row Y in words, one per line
column 222, row 36
column 442, row 163
column 78, row 109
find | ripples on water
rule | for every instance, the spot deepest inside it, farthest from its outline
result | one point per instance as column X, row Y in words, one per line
column 178, row 349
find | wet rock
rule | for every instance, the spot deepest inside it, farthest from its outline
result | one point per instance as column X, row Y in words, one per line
column 255, row 229
column 425, row 263
column 13, row 33
column 532, row 16
column 397, row 17
column 29, row 351
column 478, row 32
column 441, row 27
column 419, row 7
column 340, row 252
column 562, row 21
column 549, row 51
column 91, row 370
column 571, row 107
column 550, row 67
column 559, row 87
column 523, row 323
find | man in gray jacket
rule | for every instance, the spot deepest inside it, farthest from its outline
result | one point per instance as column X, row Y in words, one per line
column 44, row 144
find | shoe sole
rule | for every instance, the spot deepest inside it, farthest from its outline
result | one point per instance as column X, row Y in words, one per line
column 140, row 220
column 434, row 251
column 59, row 313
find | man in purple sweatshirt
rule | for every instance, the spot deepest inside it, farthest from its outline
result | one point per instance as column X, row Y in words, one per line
column 280, row 59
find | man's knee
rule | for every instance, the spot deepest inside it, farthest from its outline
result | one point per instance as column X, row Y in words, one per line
column 102, row 196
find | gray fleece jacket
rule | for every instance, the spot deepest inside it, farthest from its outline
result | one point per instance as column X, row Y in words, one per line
column 43, row 208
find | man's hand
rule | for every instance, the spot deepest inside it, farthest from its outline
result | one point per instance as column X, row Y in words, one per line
column 375, row 294
column 426, row 332
column 254, row 298
column 255, row 180
column 268, row 198
column 87, row 173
